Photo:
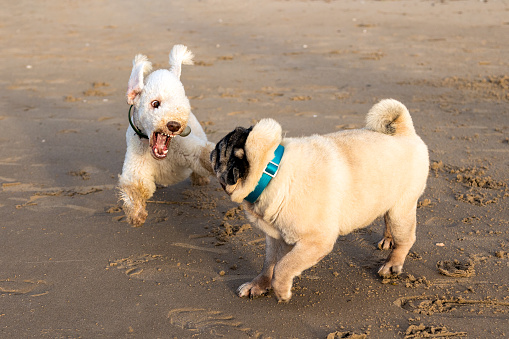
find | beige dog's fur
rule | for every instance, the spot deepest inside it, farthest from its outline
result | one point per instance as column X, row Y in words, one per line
column 329, row 185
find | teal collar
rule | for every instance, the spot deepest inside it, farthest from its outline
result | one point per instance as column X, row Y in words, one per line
column 269, row 172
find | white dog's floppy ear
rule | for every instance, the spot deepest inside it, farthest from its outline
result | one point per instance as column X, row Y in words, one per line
column 141, row 65
column 180, row 55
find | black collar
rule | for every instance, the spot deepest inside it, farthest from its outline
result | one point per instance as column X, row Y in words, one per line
column 136, row 129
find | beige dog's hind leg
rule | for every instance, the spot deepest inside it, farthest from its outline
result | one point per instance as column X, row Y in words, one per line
column 304, row 254
column 402, row 224
column 274, row 249
column 386, row 242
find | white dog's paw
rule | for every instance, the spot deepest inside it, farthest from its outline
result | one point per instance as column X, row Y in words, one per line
column 134, row 196
column 136, row 214
column 138, row 217
column 389, row 269
column 252, row 289
column 198, row 180
column 385, row 243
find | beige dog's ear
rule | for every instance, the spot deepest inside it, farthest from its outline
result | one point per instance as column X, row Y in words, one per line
column 141, row 66
column 180, row 55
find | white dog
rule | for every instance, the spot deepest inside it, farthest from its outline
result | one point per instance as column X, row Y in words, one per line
column 165, row 142
column 305, row 192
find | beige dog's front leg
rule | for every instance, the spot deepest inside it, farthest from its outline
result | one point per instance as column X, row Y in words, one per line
column 134, row 196
column 304, row 254
column 274, row 248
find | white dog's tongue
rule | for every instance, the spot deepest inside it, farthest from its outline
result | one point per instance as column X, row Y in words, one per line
column 160, row 148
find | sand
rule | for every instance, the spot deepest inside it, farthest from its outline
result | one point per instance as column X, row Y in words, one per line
column 73, row 268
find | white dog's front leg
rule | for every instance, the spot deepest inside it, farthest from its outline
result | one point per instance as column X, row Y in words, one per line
column 134, row 195
column 201, row 166
column 136, row 183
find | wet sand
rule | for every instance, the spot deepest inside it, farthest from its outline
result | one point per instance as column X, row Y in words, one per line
column 73, row 268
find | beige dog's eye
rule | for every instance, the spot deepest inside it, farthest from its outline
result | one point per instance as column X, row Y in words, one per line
column 155, row 103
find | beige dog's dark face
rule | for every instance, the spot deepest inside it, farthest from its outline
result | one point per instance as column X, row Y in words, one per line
column 229, row 159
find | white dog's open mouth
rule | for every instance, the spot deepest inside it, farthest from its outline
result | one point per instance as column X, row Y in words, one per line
column 159, row 143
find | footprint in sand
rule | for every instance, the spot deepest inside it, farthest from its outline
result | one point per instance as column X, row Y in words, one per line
column 456, row 268
column 131, row 265
column 423, row 331
column 33, row 288
column 349, row 335
column 429, row 305
column 213, row 323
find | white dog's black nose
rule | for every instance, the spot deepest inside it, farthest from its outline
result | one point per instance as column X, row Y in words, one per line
column 173, row 126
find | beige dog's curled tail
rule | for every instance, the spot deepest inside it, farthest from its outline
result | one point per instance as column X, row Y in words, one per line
column 390, row 117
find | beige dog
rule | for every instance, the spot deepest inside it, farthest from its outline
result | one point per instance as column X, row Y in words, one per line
column 325, row 186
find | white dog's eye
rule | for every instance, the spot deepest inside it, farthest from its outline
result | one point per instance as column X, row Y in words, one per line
column 155, row 103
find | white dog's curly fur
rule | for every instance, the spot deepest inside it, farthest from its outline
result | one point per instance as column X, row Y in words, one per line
column 162, row 112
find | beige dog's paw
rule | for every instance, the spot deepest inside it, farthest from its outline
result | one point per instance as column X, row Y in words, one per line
column 252, row 289
column 198, row 180
column 282, row 291
column 385, row 243
column 389, row 269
